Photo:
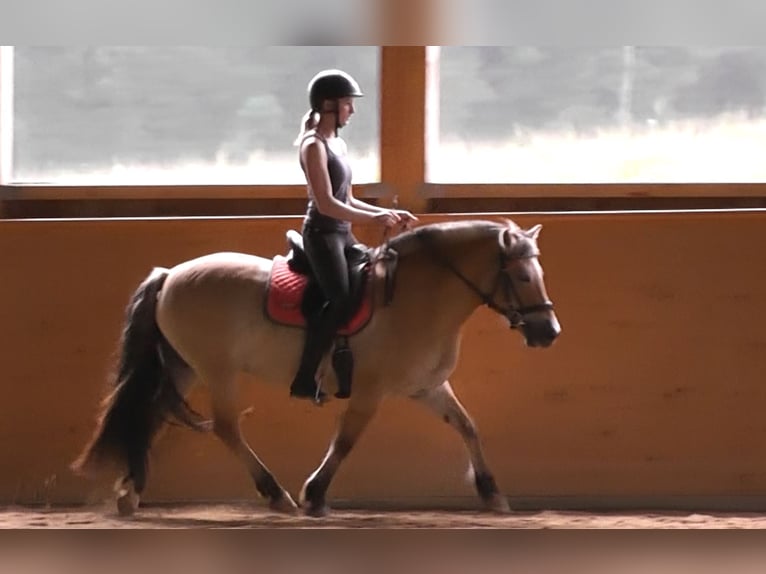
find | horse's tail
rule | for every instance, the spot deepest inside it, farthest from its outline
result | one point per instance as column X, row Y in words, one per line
column 144, row 393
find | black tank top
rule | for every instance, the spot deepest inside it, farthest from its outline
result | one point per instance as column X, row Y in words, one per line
column 340, row 180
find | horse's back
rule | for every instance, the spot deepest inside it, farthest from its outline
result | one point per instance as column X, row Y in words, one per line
column 209, row 302
column 222, row 263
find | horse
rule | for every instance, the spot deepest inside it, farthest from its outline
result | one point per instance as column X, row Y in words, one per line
column 204, row 320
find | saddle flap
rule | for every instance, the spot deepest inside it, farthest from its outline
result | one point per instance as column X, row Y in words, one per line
column 358, row 257
column 389, row 258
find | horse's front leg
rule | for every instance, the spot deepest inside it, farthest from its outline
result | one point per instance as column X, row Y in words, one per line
column 352, row 423
column 442, row 401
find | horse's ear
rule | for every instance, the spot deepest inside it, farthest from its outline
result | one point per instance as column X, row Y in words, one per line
column 507, row 239
column 533, row 232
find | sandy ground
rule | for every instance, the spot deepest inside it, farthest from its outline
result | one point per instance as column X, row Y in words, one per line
column 233, row 538
column 252, row 517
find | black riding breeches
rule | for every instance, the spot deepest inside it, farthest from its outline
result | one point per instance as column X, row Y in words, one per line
column 326, row 251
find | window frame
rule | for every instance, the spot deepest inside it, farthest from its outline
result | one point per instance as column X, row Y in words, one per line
column 408, row 116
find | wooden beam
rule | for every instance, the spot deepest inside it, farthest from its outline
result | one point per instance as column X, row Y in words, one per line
column 407, row 23
column 592, row 190
column 403, row 124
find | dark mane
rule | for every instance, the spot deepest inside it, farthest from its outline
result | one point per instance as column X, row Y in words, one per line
column 450, row 231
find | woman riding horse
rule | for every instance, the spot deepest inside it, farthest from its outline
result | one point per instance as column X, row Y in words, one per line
column 204, row 320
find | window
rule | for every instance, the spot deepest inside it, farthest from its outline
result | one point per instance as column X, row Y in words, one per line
column 600, row 115
column 177, row 115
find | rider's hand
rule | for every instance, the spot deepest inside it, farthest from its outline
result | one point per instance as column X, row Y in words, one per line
column 387, row 218
column 406, row 218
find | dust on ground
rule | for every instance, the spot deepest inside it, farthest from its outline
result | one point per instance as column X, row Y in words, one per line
column 249, row 516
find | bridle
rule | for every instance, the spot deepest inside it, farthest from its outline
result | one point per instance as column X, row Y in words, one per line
column 515, row 312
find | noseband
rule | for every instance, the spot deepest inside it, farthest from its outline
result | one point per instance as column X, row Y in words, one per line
column 515, row 312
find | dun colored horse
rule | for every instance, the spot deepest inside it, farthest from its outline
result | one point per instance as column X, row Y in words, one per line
column 206, row 320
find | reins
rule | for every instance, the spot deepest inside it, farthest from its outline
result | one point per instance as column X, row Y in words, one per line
column 514, row 314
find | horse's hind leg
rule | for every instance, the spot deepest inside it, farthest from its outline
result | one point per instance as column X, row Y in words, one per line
column 126, row 492
column 443, row 402
column 352, row 423
column 226, row 425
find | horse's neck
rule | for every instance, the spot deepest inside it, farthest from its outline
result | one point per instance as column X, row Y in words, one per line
column 434, row 277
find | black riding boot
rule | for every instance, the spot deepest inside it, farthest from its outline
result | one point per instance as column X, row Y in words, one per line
column 343, row 364
column 319, row 337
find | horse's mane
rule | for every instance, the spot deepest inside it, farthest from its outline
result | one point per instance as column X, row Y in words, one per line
column 448, row 233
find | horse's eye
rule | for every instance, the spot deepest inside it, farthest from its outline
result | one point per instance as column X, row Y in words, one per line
column 523, row 277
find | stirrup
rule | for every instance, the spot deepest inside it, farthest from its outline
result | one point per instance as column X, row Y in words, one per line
column 316, row 395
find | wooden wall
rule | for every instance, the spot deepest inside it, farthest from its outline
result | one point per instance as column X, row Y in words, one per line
column 654, row 394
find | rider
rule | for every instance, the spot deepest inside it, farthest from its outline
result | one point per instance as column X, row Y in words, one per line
column 332, row 209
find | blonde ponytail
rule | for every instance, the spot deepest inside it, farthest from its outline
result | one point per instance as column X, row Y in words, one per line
column 308, row 123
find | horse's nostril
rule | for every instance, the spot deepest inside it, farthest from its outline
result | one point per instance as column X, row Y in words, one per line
column 543, row 334
column 552, row 328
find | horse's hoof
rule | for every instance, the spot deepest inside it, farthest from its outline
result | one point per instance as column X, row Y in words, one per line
column 312, row 499
column 498, row 504
column 127, row 503
column 127, row 498
column 317, row 510
column 284, row 504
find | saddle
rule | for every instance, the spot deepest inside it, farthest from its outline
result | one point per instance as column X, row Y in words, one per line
column 293, row 295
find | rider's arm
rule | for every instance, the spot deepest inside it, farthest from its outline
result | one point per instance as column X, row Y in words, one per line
column 361, row 205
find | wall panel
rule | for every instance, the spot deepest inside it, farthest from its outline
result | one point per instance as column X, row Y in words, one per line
column 655, row 390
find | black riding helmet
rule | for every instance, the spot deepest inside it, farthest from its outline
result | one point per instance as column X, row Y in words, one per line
column 332, row 85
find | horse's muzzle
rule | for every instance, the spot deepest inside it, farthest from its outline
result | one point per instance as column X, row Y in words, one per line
column 541, row 333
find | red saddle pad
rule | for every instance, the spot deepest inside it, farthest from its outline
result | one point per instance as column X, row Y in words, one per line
column 285, row 293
